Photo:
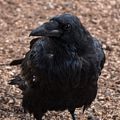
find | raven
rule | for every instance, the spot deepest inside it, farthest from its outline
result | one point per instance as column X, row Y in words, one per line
column 61, row 69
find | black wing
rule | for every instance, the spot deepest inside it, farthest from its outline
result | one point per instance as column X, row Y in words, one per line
column 19, row 61
column 35, row 60
column 100, row 54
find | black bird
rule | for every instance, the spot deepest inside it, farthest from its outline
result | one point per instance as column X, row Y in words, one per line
column 61, row 69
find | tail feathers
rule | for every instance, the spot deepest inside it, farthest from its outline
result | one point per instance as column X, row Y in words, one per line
column 17, row 62
column 18, row 81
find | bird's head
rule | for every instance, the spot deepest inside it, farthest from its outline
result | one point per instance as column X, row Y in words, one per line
column 65, row 27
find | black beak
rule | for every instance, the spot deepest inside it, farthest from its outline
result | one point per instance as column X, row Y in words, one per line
column 49, row 29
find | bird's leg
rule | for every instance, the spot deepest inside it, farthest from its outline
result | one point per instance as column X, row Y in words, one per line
column 38, row 116
column 72, row 112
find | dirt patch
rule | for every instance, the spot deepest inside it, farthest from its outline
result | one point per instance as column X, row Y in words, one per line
column 101, row 18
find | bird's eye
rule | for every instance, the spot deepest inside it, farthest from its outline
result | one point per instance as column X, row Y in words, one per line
column 67, row 27
column 51, row 20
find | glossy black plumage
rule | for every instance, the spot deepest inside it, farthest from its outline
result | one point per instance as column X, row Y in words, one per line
column 62, row 68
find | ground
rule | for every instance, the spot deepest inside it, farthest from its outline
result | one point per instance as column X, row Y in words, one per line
column 100, row 17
